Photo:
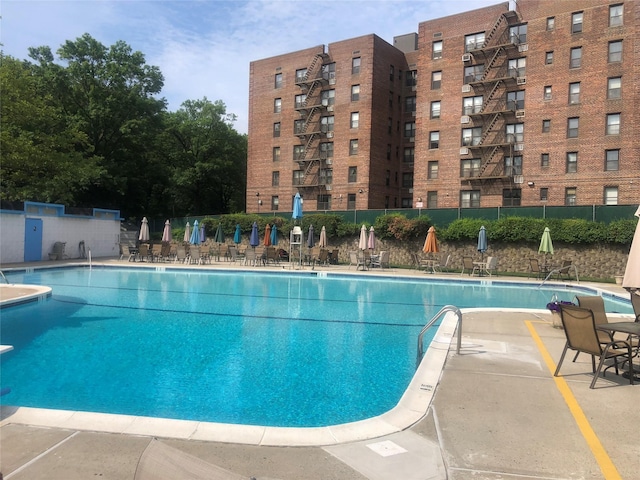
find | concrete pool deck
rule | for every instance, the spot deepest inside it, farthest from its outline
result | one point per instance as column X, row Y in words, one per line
column 497, row 412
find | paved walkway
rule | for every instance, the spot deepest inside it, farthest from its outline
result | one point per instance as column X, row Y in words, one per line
column 497, row 413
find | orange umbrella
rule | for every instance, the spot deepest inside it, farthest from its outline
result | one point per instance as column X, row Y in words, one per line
column 267, row 235
column 431, row 242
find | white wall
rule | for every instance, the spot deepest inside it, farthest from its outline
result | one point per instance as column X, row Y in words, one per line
column 102, row 236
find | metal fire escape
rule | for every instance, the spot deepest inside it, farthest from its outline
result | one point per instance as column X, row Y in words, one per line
column 309, row 131
column 493, row 83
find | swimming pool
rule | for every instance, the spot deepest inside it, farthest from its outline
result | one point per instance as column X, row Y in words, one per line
column 279, row 349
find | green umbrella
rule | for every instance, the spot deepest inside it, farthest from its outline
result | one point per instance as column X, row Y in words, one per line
column 546, row 246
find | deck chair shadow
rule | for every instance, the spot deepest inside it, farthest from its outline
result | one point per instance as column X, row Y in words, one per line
column 582, row 336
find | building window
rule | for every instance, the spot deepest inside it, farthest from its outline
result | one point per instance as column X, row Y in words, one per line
column 409, row 155
column 546, row 126
column 410, row 130
column 324, row 202
column 470, row 199
column 275, row 202
column 576, row 22
column 473, row 73
column 515, row 100
column 353, row 146
column 351, row 201
column 298, row 152
column 570, row 196
column 355, row 93
column 407, row 180
column 432, row 170
column 432, row 199
column 576, row 58
column 388, row 151
column 410, row 104
column 389, row 125
column 435, row 109
column 326, row 176
column 511, row 197
column 276, row 129
column 326, row 124
column 547, row 92
column 436, row 50
column 473, row 41
column 326, row 150
column 548, row 58
column 572, row 162
column 514, row 132
column 392, row 73
column 544, row 194
column 615, row 51
column 471, row 136
column 469, row 167
column 518, row 34
column 436, row 80
column 513, row 165
column 612, row 160
column 328, row 97
column 387, row 179
column 544, row 160
column 277, row 83
column 299, row 101
column 574, row 93
column 411, row 78
column 471, row 105
column 551, row 23
column 298, row 126
column 353, row 175
column 613, row 124
column 276, row 154
column 298, row 177
column 329, row 71
column 434, row 139
column 517, row 67
column 277, row 105
column 275, row 179
column 355, row 65
column 615, row 15
column 614, row 88
column 355, row 119
column 611, row 195
column 572, row 127
column 301, row 75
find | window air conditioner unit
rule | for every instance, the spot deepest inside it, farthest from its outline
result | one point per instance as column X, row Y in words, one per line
column 411, row 190
column 329, row 134
column 464, row 151
column 328, row 187
column 466, row 57
column 523, row 47
column 413, row 114
column 412, row 139
column 521, row 80
column 465, row 119
column 328, row 161
column 519, row 113
column 330, row 108
column 414, row 88
column 332, row 81
column 466, row 88
column 325, row 102
column 518, row 179
column 518, row 147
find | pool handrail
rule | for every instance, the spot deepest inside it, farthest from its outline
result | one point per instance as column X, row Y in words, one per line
column 4, row 278
column 445, row 309
column 558, row 270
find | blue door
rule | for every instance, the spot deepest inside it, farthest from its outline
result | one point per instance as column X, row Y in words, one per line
column 33, row 240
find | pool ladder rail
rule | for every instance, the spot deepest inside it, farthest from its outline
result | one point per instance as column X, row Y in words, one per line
column 443, row 310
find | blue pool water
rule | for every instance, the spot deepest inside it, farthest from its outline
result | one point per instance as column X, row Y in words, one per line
column 273, row 349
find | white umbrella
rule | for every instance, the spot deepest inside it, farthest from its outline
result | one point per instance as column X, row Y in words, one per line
column 362, row 244
column 144, row 230
column 631, row 278
column 166, row 233
column 187, row 233
column 322, row 243
column 372, row 239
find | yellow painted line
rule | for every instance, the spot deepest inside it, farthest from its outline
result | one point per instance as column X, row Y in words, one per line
column 607, row 467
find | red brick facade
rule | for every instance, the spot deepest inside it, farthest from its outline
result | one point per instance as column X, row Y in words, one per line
column 537, row 126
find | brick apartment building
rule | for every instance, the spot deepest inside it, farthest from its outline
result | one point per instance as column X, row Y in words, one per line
column 490, row 107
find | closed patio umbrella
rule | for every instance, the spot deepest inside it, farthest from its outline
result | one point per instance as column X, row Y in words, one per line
column 144, row 230
column 362, row 242
column 311, row 241
column 546, row 245
column 371, row 243
column 166, row 233
column 482, row 242
column 431, row 242
column 274, row 235
column 187, row 233
column 195, row 234
column 203, row 236
column 322, row 243
column 631, row 279
column 267, row 236
column 237, row 236
column 297, row 207
column 254, row 239
column 218, row 237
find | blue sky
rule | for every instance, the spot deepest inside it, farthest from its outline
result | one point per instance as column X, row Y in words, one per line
column 203, row 47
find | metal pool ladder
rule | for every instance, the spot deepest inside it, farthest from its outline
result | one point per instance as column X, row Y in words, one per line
column 4, row 278
column 445, row 309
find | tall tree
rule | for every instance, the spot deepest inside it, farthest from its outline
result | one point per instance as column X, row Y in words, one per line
column 208, row 158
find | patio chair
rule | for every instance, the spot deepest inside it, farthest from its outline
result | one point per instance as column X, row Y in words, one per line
column 467, row 264
column 357, row 260
column 563, row 271
column 57, row 252
column 194, row 255
column 165, row 252
column 534, row 268
column 492, row 265
column 439, row 266
column 144, row 253
column 126, row 252
column 582, row 336
column 156, row 251
column 321, row 259
column 595, row 303
column 271, row 254
column 181, row 254
column 333, row 257
column 381, row 261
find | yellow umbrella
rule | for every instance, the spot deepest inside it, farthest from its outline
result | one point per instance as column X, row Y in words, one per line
column 431, row 242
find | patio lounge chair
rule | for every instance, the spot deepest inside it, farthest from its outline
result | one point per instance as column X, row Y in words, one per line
column 582, row 336
column 57, row 252
column 181, row 254
column 467, row 264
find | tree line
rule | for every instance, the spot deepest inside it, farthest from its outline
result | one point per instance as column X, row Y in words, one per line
column 89, row 129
